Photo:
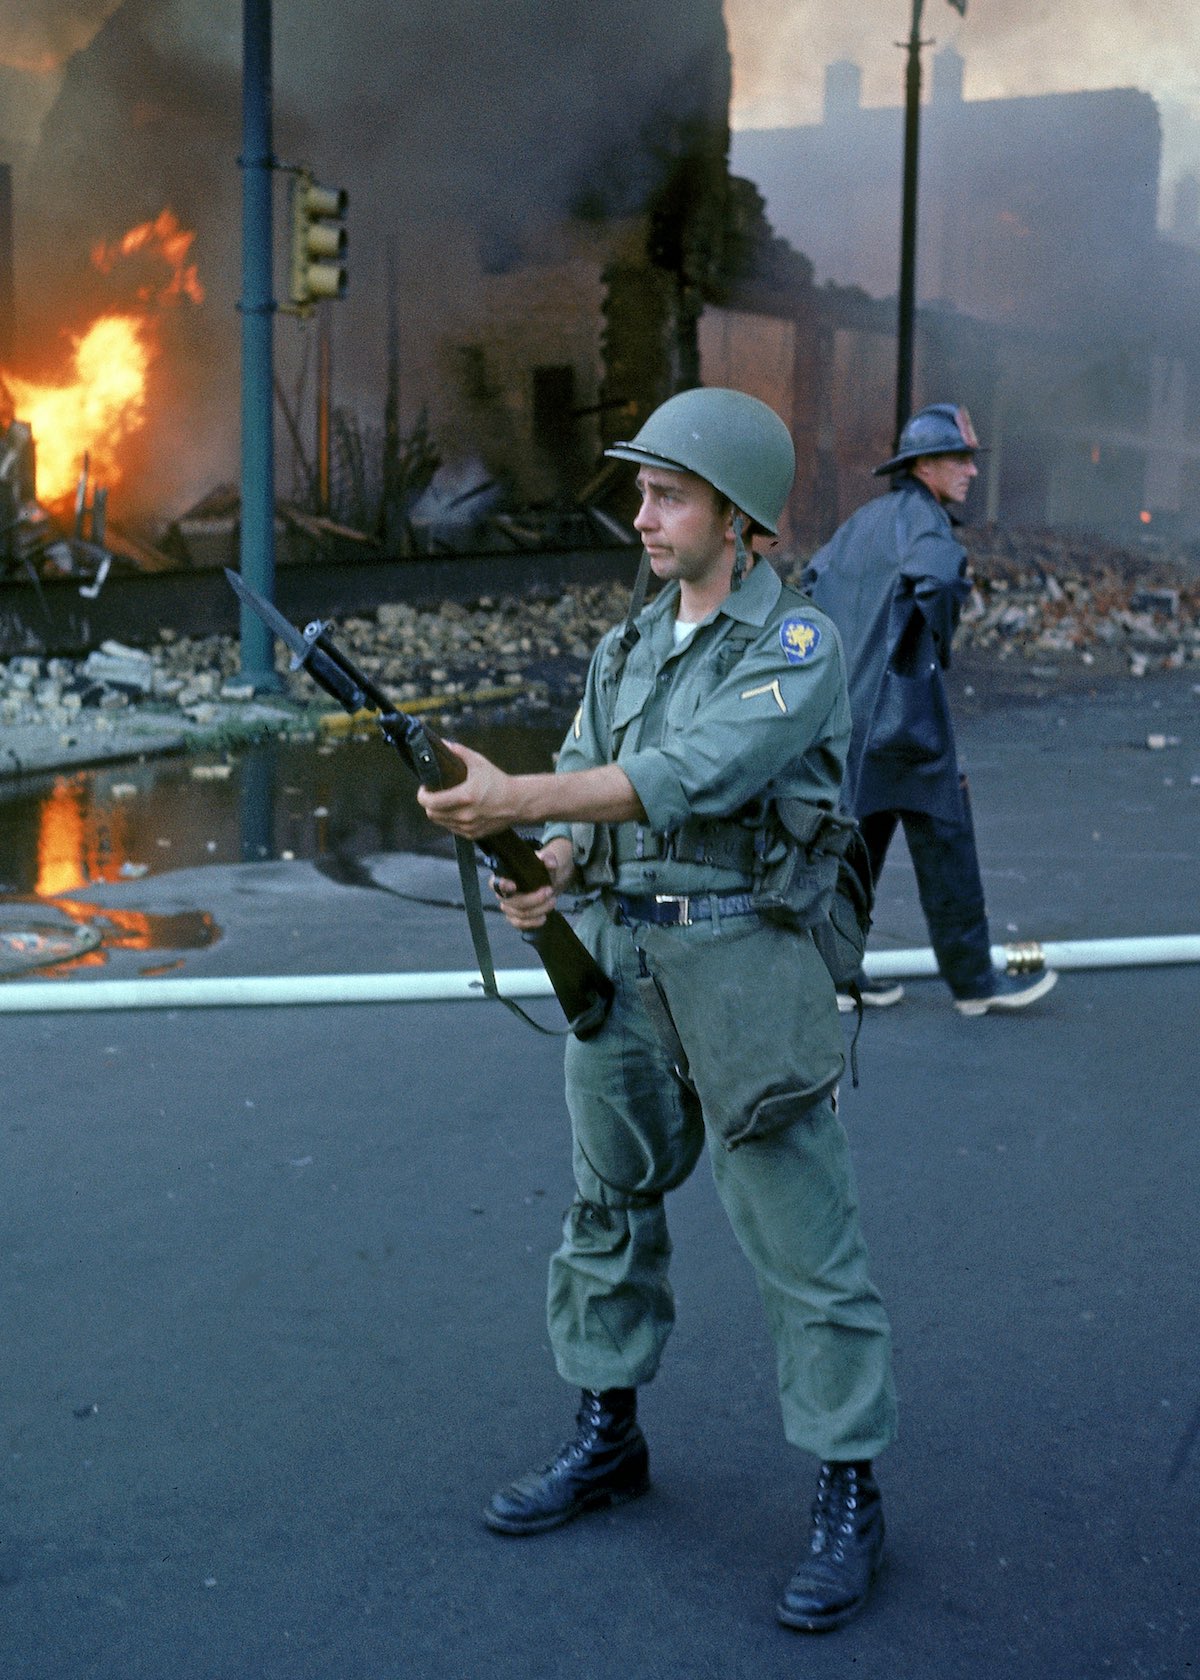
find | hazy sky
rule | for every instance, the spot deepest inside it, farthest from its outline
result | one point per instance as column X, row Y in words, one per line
column 781, row 48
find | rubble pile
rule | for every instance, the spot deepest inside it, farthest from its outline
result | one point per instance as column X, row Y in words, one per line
column 1033, row 596
column 1046, row 593
column 537, row 649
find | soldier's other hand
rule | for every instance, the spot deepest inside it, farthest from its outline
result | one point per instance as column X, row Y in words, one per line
column 528, row 910
column 523, row 910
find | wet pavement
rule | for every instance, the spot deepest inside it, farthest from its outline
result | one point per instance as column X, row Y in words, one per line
column 69, row 826
column 272, row 1284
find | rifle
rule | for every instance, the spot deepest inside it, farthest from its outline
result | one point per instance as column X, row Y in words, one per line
column 580, row 984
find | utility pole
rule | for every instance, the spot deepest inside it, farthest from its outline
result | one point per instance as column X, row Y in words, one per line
column 906, row 307
column 257, row 560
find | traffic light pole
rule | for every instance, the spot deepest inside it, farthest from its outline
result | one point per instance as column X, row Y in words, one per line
column 257, row 306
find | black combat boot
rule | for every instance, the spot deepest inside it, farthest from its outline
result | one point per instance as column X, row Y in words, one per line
column 844, row 1552
column 605, row 1464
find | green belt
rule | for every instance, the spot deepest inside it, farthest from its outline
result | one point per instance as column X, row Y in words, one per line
column 725, row 845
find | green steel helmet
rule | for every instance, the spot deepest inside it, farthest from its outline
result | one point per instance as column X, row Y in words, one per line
column 738, row 444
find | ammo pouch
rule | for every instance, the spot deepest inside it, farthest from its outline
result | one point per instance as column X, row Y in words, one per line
column 600, row 851
column 749, row 1018
column 816, row 874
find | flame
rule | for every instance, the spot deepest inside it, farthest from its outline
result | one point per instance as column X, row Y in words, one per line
column 171, row 241
column 99, row 402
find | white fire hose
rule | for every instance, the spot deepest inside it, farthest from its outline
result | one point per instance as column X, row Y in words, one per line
column 236, row 992
column 1030, row 957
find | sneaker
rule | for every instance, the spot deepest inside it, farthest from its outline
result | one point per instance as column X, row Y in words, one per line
column 1009, row 992
column 876, row 994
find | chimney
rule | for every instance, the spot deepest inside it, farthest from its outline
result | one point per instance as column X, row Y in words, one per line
column 843, row 89
column 948, row 68
column 7, row 324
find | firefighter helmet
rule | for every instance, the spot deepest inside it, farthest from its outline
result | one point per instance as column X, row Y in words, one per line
column 940, row 429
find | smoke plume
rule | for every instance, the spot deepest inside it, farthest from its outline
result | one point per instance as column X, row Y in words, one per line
column 464, row 130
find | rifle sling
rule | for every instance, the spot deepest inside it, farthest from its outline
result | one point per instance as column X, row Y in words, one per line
column 473, row 902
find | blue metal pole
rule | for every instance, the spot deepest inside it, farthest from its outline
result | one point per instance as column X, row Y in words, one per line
column 257, row 309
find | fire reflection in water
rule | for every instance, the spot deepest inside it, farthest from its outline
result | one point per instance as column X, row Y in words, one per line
column 77, row 843
column 80, row 843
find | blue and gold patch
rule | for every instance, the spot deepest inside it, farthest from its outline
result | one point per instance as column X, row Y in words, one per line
column 799, row 638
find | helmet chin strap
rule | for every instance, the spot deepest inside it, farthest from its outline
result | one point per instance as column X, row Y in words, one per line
column 741, row 560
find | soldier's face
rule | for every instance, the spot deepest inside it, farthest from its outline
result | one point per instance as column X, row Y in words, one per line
column 948, row 476
column 683, row 524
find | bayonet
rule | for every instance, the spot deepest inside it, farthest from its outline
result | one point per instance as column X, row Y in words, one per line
column 580, row 984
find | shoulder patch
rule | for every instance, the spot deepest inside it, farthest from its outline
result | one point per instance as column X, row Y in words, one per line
column 799, row 638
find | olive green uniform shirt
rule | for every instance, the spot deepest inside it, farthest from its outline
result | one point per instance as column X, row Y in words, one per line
column 752, row 706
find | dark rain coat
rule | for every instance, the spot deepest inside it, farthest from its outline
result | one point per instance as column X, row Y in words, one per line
column 893, row 579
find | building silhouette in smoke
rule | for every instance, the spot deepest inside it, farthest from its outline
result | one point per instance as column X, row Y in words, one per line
column 1019, row 198
column 1047, row 293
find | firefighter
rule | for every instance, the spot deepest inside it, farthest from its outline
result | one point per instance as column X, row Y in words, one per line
column 893, row 579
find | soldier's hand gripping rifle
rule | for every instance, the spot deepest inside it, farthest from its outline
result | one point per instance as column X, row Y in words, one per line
column 580, row 984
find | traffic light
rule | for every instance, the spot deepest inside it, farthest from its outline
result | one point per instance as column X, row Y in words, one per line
column 318, row 242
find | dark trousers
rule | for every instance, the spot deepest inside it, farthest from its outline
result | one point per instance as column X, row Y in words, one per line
column 950, row 888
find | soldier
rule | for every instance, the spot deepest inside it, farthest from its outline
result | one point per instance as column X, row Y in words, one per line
column 893, row 579
column 707, row 718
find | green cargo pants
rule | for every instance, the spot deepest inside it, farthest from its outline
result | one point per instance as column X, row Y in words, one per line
column 789, row 1196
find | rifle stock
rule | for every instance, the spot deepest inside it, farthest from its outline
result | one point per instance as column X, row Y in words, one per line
column 581, row 986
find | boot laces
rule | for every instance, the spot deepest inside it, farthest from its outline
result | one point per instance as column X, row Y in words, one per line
column 834, row 1509
column 589, row 1433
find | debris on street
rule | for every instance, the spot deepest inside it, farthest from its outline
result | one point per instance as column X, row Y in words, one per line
column 1046, row 600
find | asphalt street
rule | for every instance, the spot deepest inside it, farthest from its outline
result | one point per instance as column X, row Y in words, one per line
column 272, row 1287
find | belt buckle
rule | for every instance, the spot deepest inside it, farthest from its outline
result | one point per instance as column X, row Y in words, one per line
column 684, row 919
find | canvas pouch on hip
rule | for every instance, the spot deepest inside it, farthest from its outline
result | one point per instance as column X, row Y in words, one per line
column 751, row 1021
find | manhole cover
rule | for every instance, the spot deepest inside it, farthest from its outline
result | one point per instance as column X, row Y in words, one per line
column 41, row 945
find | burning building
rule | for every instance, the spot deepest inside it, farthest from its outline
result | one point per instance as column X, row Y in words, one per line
column 537, row 198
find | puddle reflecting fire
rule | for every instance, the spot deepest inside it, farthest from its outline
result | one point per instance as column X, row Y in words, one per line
column 60, row 832
column 121, row 930
column 78, row 842
column 63, row 833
